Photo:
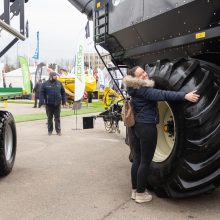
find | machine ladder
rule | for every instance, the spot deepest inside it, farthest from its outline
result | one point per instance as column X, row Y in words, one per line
column 101, row 35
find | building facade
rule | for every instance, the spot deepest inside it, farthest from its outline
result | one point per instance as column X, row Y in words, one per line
column 93, row 60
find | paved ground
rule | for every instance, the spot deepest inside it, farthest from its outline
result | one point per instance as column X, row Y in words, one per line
column 22, row 109
column 83, row 175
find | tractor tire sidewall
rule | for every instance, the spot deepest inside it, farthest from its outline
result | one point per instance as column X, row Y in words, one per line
column 7, row 165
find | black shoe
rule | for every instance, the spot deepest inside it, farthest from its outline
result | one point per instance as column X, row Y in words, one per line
column 59, row 134
column 34, row 107
column 49, row 133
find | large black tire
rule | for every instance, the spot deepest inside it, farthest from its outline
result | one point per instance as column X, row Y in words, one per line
column 193, row 166
column 8, row 142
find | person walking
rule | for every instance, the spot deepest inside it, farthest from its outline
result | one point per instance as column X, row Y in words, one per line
column 36, row 92
column 143, row 135
column 52, row 94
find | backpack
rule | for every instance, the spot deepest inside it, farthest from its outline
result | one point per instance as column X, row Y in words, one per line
column 128, row 114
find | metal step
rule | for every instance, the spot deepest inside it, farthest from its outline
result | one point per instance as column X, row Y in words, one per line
column 113, row 68
column 100, row 17
column 118, row 79
column 101, row 25
column 100, row 43
column 100, row 35
column 106, row 55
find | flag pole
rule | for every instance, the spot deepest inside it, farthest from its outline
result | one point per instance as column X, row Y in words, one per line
column 79, row 77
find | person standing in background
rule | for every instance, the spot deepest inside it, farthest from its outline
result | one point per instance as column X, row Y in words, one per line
column 36, row 91
column 52, row 94
column 63, row 72
column 31, row 88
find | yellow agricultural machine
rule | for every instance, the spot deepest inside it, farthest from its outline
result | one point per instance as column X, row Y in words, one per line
column 69, row 85
column 68, row 81
column 110, row 97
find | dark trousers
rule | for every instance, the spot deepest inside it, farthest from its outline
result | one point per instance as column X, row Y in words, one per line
column 143, row 139
column 36, row 101
column 53, row 111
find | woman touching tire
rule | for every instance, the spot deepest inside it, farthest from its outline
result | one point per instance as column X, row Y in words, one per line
column 143, row 135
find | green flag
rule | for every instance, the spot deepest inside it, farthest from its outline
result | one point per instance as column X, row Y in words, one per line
column 26, row 75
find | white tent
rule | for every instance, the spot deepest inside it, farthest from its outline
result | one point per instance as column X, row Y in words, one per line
column 15, row 77
column 1, row 69
column 16, row 80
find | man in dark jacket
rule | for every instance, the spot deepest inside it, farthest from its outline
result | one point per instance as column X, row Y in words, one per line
column 36, row 91
column 52, row 94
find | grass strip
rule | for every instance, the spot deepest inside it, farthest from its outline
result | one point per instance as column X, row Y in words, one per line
column 21, row 101
column 92, row 108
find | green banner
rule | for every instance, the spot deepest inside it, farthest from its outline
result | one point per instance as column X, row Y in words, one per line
column 26, row 75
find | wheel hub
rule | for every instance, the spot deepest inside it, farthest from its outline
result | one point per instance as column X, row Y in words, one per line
column 169, row 128
column 8, row 142
column 166, row 133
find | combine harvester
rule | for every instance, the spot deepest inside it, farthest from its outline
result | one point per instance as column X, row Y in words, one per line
column 178, row 42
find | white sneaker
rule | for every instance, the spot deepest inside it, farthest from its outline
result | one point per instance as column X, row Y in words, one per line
column 133, row 194
column 143, row 197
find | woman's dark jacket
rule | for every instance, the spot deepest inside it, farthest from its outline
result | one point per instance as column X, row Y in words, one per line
column 145, row 97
